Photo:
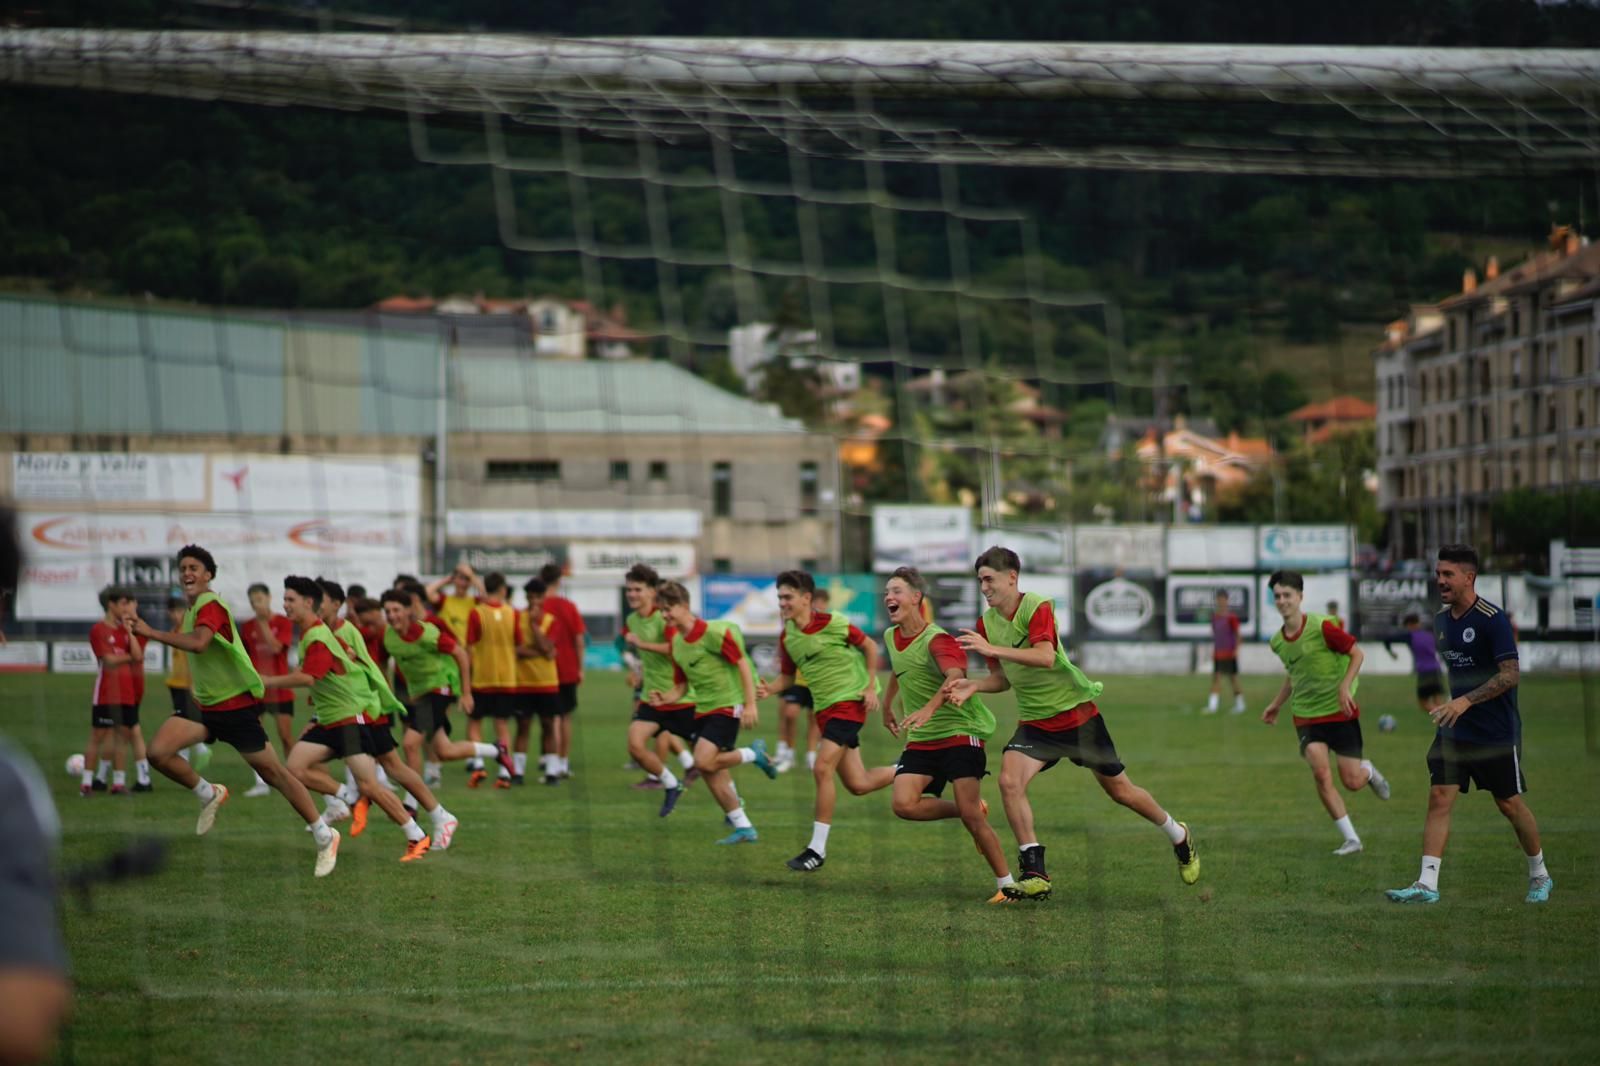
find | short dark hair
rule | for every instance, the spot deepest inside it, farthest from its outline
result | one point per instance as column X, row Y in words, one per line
column 113, row 594
column 550, row 573
column 331, row 589
column 177, row 601
column 415, row 590
column 798, row 580
column 401, row 580
column 400, row 596
column 641, row 574
column 998, row 558
column 258, row 587
column 822, row 595
column 363, row 604
column 911, row 576
column 1465, row 554
column 669, row 593
column 494, row 581
column 535, row 587
column 1291, row 578
column 199, row 555
column 1411, row 619
column 1221, row 594
column 304, row 586
column 356, row 592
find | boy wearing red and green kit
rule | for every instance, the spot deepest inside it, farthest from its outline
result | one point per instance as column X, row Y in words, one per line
column 841, row 668
column 227, row 694
column 1057, row 717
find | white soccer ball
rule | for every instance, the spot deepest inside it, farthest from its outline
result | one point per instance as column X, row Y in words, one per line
column 74, row 765
column 1387, row 723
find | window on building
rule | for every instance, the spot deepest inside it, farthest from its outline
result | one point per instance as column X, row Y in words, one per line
column 1422, row 389
column 808, row 488
column 547, row 320
column 1488, row 478
column 1484, row 414
column 1452, row 334
column 1452, row 431
column 1516, row 369
column 809, row 565
column 722, row 490
column 658, row 470
column 1577, row 357
column 620, row 470
column 1552, row 471
column 1452, row 393
column 1550, row 417
column 722, row 566
column 1516, row 320
column 522, row 470
column 1484, row 373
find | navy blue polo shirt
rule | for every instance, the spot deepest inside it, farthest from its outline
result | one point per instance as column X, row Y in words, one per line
column 1473, row 647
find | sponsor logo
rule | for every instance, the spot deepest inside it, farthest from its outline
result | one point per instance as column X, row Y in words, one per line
column 1119, row 606
column 74, row 534
column 1469, row 634
column 320, row 536
column 236, row 477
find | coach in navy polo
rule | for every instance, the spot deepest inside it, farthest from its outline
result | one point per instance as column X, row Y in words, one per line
column 1480, row 732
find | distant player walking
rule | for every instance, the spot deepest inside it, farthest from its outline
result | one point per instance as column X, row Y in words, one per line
column 1224, row 654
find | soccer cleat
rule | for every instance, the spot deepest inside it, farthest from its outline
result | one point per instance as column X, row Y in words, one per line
column 763, row 763
column 518, row 779
column 806, row 861
column 417, row 849
column 784, row 763
column 552, row 779
column 358, row 816
column 669, row 800
column 1416, row 892
column 328, row 857
column 1208, row 709
column 1238, row 706
column 119, row 790
column 334, row 810
column 208, row 812
column 1034, row 886
column 445, row 833
column 1349, row 847
column 99, row 785
column 1001, row 897
column 502, row 782
column 1539, row 889
column 503, row 757
column 691, row 775
column 144, row 786
column 260, row 788
column 86, row 790
column 1188, row 857
column 476, row 778
column 747, row 835
column 432, row 778
column 1378, row 783
column 647, row 785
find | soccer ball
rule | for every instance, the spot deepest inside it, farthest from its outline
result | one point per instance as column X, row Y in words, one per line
column 74, row 765
column 1387, row 723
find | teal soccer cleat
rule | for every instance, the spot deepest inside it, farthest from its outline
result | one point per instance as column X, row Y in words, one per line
column 746, row 835
column 1539, row 889
column 1414, row 893
column 763, row 763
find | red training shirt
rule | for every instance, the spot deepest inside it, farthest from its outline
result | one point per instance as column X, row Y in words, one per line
column 267, row 662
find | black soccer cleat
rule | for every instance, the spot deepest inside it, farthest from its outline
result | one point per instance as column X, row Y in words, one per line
column 806, row 861
column 145, row 787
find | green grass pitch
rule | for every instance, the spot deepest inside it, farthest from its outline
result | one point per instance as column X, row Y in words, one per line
column 572, row 920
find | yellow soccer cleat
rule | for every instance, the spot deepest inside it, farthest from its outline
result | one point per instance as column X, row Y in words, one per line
column 1188, row 857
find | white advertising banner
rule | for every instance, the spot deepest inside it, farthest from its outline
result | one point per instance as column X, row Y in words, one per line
column 1192, row 600
column 1211, row 549
column 67, row 479
column 931, row 538
column 24, row 657
column 72, row 555
column 298, row 484
column 1309, row 547
column 565, row 525
column 1042, row 551
column 73, row 657
column 1140, row 548
column 614, row 559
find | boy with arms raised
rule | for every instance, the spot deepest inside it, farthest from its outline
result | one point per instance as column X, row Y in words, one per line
column 1322, row 662
column 841, row 664
column 227, row 694
column 1057, row 717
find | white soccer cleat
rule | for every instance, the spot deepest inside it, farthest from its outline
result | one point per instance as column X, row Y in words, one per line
column 334, row 810
column 259, row 789
column 783, row 763
column 1238, row 707
column 443, row 834
column 328, row 855
column 1377, row 782
column 1349, row 847
column 208, row 812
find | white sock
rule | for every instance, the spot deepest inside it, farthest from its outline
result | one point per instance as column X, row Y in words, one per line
column 102, row 769
column 1536, row 866
column 484, row 751
column 1429, row 877
column 547, row 765
column 819, row 838
column 1003, row 880
column 413, row 831
column 1025, row 847
column 1211, row 703
column 784, row 750
column 259, row 779
column 1346, row 828
column 432, row 769
column 383, row 778
column 321, row 832
column 504, row 774
column 811, row 760
column 349, row 779
column 88, row 777
column 410, row 803
column 686, row 759
column 566, row 766
column 747, row 755
column 335, row 806
column 205, row 791
column 141, row 770
column 1174, row 831
column 667, row 778
column 349, row 793
column 440, row 815
column 1238, row 701
column 739, row 819
column 187, row 754
column 520, row 761
column 119, row 778
column 1372, row 771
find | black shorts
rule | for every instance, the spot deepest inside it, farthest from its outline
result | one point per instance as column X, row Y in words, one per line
column 183, row 704
column 494, row 705
column 943, row 765
column 430, row 715
column 240, row 729
column 1495, row 768
column 678, row 723
column 111, row 715
column 569, row 697
column 381, row 738
column 843, row 732
column 721, row 729
column 286, row 708
column 1342, row 737
column 344, row 740
column 1429, row 684
column 1226, row 667
column 1088, row 745
column 548, row 704
column 799, row 694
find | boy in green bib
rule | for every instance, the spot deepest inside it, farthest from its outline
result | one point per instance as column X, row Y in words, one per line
column 841, row 668
column 944, row 740
column 227, row 694
column 710, row 658
column 1322, row 661
column 1058, row 718
column 344, row 701
column 645, row 632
